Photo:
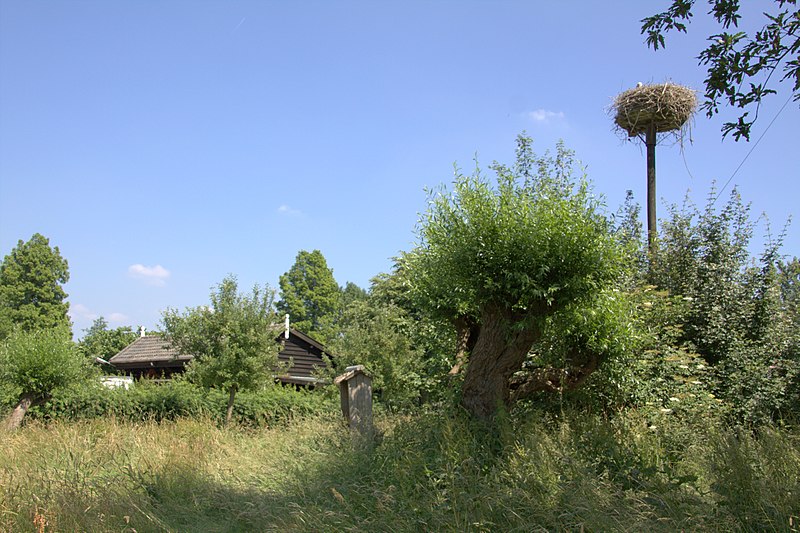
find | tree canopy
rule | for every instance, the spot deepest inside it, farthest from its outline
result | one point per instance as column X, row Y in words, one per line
column 100, row 341
column 310, row 295
column 740, row 65
column 232, row 339
column 35, row 363
column 31, row 291
column 377, row 336
column 509, row 255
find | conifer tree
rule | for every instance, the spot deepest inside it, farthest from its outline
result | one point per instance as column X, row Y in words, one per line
column 31, row 292
column 310, row 295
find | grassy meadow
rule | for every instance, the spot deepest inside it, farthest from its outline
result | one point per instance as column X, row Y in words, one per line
column 428, row 472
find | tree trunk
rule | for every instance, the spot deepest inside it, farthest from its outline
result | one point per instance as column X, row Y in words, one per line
column 555, row 379
column 499, row 351
column 229, row 412
column 14, row 421
column 466, row 334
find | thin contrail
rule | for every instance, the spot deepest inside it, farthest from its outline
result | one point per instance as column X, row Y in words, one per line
column 238, row 25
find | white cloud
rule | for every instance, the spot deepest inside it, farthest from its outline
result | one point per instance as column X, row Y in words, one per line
column 81, row 312
column 155, row 275
column 118, row 318
column 545, row 115
column 289, row 211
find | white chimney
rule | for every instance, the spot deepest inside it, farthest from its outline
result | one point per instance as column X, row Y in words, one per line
column 286, row 329
column 142, row 331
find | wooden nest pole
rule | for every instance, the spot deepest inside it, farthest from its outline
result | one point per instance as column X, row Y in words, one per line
column 650, row 142
column 643, row 113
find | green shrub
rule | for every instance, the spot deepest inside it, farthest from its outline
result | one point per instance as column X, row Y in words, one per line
column 761, row 385
column 376, row 336
column 147, row 400
column 37, row 363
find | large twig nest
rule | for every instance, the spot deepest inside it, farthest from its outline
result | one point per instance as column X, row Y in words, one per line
column 667, row 106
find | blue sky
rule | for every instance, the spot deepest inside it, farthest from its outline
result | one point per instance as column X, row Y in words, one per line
column 163, row 145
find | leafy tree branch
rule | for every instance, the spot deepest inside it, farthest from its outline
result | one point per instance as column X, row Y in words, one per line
column 741, row 65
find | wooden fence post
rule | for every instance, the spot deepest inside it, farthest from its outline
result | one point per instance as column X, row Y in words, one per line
column 355, row 395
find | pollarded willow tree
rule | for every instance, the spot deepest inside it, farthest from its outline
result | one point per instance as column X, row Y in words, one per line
column 503, row 259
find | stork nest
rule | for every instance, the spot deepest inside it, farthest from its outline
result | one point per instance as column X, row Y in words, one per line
column 667, row 106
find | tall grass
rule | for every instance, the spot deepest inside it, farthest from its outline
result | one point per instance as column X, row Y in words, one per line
column 440, row 472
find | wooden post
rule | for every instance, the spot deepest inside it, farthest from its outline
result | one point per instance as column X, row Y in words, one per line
column 355, row 395
column 652, row 232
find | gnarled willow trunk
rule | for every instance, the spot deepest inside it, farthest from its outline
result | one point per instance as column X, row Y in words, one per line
column 14, row 420
column 555, row 379
column 500, row 349
column 466, row 335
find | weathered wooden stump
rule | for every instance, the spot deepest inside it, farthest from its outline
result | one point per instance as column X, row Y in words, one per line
column 355, row 394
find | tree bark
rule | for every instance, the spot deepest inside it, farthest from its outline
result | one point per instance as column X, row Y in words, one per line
column 554, row 379
column 501, row 347
column 14, row 420
column 229, row 412
column 466, row 334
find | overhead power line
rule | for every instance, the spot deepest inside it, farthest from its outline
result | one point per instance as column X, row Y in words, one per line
column 753, row 147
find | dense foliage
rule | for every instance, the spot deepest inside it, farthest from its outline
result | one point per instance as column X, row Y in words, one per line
column 508, row 257
column 31, row 287
column 34, row 364
column 232, row 340
column 149, row 401
column 310, row 295
column 377, row 336
column 716, row 330
column 738, row 312
column 405, row 349
column 100, row 341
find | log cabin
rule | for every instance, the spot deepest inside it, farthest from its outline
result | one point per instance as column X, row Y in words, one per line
column 151, row 356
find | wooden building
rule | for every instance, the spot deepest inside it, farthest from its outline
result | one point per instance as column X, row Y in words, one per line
column 152, row 356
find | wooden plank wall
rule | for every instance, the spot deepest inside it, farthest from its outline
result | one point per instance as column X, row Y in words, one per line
column 304, row 356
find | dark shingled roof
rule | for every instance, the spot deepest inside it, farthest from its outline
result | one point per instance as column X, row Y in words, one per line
column 150, row 348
